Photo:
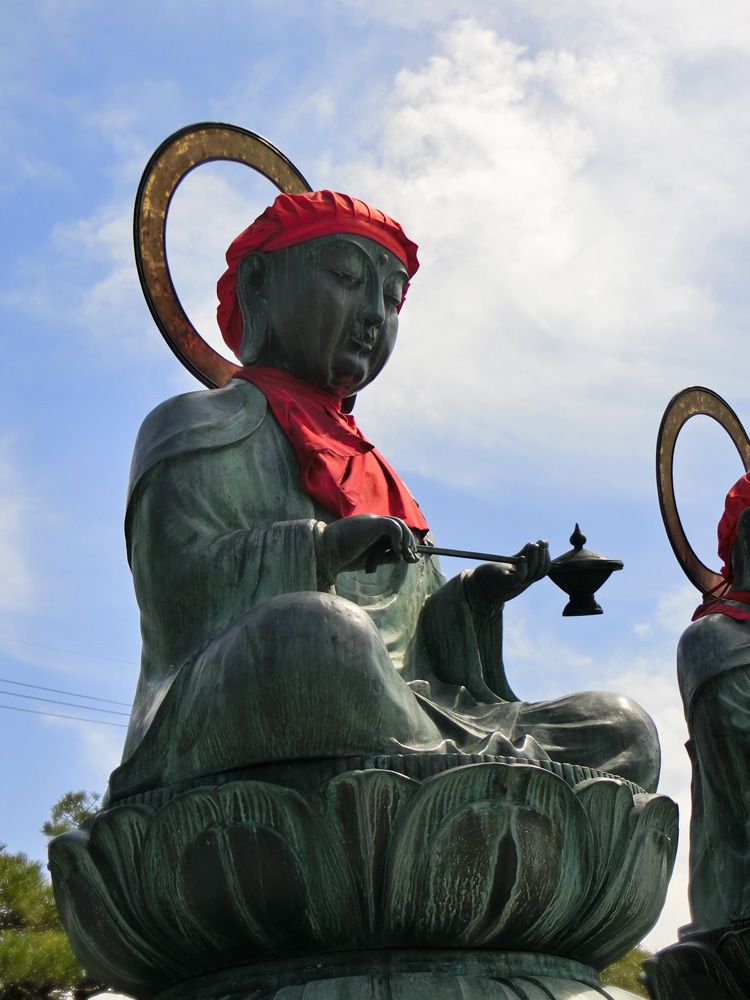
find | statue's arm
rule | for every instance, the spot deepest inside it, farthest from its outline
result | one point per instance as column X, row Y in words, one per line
column 205, row 549
column 461, row 643
column 460, row 634
column 487, row 623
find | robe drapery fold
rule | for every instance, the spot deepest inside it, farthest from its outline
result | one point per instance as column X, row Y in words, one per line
column 245, row 661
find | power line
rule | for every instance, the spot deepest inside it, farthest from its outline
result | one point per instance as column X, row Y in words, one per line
column 72, row 694
column 57, row 649
column 55, row 715
column 70, row 704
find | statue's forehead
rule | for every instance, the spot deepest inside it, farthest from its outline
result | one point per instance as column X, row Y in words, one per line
column 371, row 248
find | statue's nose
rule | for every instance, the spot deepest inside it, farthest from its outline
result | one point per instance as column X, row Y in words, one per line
column 372, row 313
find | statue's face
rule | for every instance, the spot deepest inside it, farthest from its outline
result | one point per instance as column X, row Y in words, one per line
column 332, row 307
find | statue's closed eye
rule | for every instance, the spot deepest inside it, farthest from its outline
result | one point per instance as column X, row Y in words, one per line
column 345, row 275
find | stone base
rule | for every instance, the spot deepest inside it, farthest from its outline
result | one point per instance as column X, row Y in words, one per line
column 714, row 965
column 404, row 975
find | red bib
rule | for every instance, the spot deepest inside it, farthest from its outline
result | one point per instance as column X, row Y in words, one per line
column 716, row 606
column 340, row 469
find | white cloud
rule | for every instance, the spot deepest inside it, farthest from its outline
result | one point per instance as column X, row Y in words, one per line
column 94, row 273
column 99, row 749
column 571, row 213
column 539, row 662
column 111, row 308
column 417, row 12
column 90, row 284
column 574, row 207
column 675, row 609
column 688, row 27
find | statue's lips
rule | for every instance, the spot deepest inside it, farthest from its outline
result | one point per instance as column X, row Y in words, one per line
column 360, row 344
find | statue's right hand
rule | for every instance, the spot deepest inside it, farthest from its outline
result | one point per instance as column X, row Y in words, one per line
column 364, row 541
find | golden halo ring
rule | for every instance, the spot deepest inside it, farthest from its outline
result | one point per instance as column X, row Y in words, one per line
column 686, row 404
column 173, row 160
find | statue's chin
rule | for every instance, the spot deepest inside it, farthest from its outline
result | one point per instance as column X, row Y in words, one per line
column 349, row 375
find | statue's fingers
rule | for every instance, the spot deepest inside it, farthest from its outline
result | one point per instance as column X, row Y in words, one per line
column 399, row 541
column 407, row 545
column 541, row 560
column 546, row 560
column 522, row 567
column 536, row 561
column 526, row 553
column 532, row 555
column 409, row 549
column 411, row 544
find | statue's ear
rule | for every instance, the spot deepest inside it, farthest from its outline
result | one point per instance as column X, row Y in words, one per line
column 741, row 553
column 253, row 280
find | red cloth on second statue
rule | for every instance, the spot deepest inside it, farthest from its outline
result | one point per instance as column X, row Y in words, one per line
column 716, row 606
column 737, row 499
column 340, row 468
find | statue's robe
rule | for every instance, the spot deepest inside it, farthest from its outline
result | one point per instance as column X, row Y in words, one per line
column 246, row 661
column 713, row 668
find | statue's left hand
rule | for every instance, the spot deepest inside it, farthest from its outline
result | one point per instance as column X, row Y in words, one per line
column 492, row 584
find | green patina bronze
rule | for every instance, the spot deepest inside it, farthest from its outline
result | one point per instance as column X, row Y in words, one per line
column 264, row 639
column 485, row 876
column 328, row 786
column 713, row 666
column 712, row 958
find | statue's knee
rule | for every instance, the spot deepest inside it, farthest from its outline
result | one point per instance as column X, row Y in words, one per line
column 317, row 621
column 633, row 722
column 638, row 742
column 305, row 635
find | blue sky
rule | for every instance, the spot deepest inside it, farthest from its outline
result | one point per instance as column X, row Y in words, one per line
column 576, row 177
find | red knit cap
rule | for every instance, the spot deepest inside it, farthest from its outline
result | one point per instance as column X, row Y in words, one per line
column 295, row 218
column 737, row 499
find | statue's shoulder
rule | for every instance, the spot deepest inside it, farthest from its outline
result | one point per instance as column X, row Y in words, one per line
column 713, row 631
column 211, row 418
column 710, row 646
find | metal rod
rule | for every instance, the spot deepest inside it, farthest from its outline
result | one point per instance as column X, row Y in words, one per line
column 434, row 550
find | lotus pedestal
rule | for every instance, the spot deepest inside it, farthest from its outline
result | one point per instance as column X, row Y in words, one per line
column 399, row 877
